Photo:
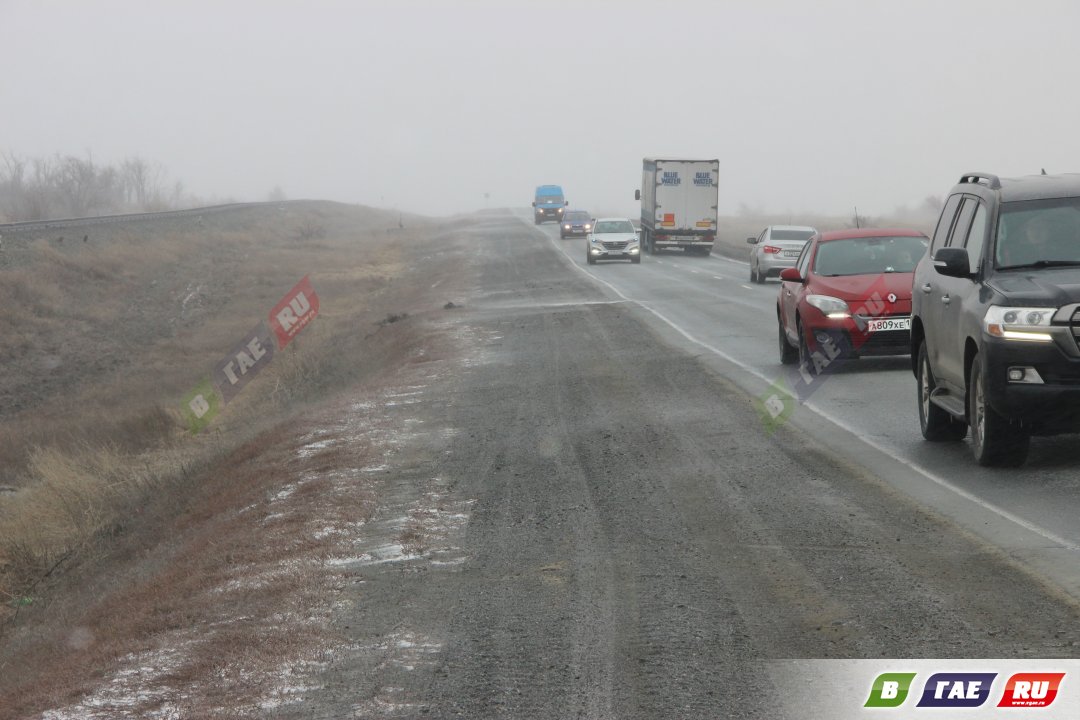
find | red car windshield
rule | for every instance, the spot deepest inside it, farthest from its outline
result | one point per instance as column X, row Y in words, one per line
column 869, row 256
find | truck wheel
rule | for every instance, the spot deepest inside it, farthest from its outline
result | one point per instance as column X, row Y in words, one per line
column 935, row 423
column 994, row 440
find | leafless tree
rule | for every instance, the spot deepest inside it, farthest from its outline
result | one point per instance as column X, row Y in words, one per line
column 142, row 182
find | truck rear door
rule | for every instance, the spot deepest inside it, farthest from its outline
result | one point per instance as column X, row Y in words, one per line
column 686, row 196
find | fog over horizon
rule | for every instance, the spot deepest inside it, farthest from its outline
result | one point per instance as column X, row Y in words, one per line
column 446, row 107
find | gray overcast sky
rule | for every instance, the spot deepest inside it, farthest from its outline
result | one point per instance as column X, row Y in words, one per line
column 427, row 105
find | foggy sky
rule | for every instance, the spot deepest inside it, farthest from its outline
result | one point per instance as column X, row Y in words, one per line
column 427, row 105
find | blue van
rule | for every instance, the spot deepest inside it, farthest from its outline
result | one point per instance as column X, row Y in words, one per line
column 549, row 203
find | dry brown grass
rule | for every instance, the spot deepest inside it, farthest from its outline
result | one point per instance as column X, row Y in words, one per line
column 170, row 552
column 413, row 539
column 221, row 605
column 130, row 323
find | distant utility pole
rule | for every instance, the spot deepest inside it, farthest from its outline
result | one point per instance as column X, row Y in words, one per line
column 856, row 216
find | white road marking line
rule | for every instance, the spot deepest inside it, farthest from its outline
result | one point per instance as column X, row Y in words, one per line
column 727, row 259
column 747, row 287
column 926, row 473
column 717, row 277
column 696, row 272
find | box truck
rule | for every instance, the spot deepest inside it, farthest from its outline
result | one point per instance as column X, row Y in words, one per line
column 678, row 204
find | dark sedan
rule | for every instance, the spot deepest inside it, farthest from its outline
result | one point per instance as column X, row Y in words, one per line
column 575, row 223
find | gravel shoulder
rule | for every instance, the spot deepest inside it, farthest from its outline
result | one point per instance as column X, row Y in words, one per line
column 636, row 546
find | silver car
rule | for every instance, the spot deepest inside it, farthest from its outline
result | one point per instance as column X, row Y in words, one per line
column 612, row 239
column 777, row 248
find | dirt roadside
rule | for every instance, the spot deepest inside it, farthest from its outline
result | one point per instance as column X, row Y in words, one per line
column 537, row 510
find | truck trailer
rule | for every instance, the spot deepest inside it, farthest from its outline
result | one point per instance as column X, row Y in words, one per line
column 678, row 204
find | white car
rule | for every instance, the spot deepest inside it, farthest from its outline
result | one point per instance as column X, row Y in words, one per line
column 613, row 239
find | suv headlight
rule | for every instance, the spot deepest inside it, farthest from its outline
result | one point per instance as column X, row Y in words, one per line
column 1018, row 323
column 832, row 307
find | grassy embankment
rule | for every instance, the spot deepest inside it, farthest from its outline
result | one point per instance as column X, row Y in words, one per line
column 103, row 337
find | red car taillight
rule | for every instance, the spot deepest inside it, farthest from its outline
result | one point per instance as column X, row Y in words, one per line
column 770, row 250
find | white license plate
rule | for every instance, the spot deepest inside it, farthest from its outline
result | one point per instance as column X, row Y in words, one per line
column 791, row 253
column 879, row 324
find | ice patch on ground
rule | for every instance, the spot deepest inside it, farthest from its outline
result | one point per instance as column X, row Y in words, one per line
column 137, row 683
column 313, row 448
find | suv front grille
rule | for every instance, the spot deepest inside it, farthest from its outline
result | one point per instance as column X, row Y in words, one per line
column 1074, row 326
column 615, row 244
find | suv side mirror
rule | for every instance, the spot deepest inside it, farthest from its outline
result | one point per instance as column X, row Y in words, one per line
column 566, row 202
column 637, row 194
column 752, row 240
column 952, row 261
column 534, row 203
column 791, row 275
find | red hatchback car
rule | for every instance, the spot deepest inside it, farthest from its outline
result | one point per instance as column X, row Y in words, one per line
column 849, row 295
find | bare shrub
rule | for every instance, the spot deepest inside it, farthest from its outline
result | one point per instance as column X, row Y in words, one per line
column 309, row 229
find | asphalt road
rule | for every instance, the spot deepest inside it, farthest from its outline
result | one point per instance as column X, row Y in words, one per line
column 631, row 542
column 866, row 410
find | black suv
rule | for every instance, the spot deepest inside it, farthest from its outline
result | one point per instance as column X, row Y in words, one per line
column 995, row 321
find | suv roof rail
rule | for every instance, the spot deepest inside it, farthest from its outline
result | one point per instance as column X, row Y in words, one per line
column 981, row 178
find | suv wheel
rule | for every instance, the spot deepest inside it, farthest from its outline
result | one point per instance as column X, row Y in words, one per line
column 935, row 423
column 788, row 355
column 994, row 440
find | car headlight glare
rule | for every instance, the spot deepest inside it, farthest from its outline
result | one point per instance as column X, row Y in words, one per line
column 1018, row 323
column 832, row 307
